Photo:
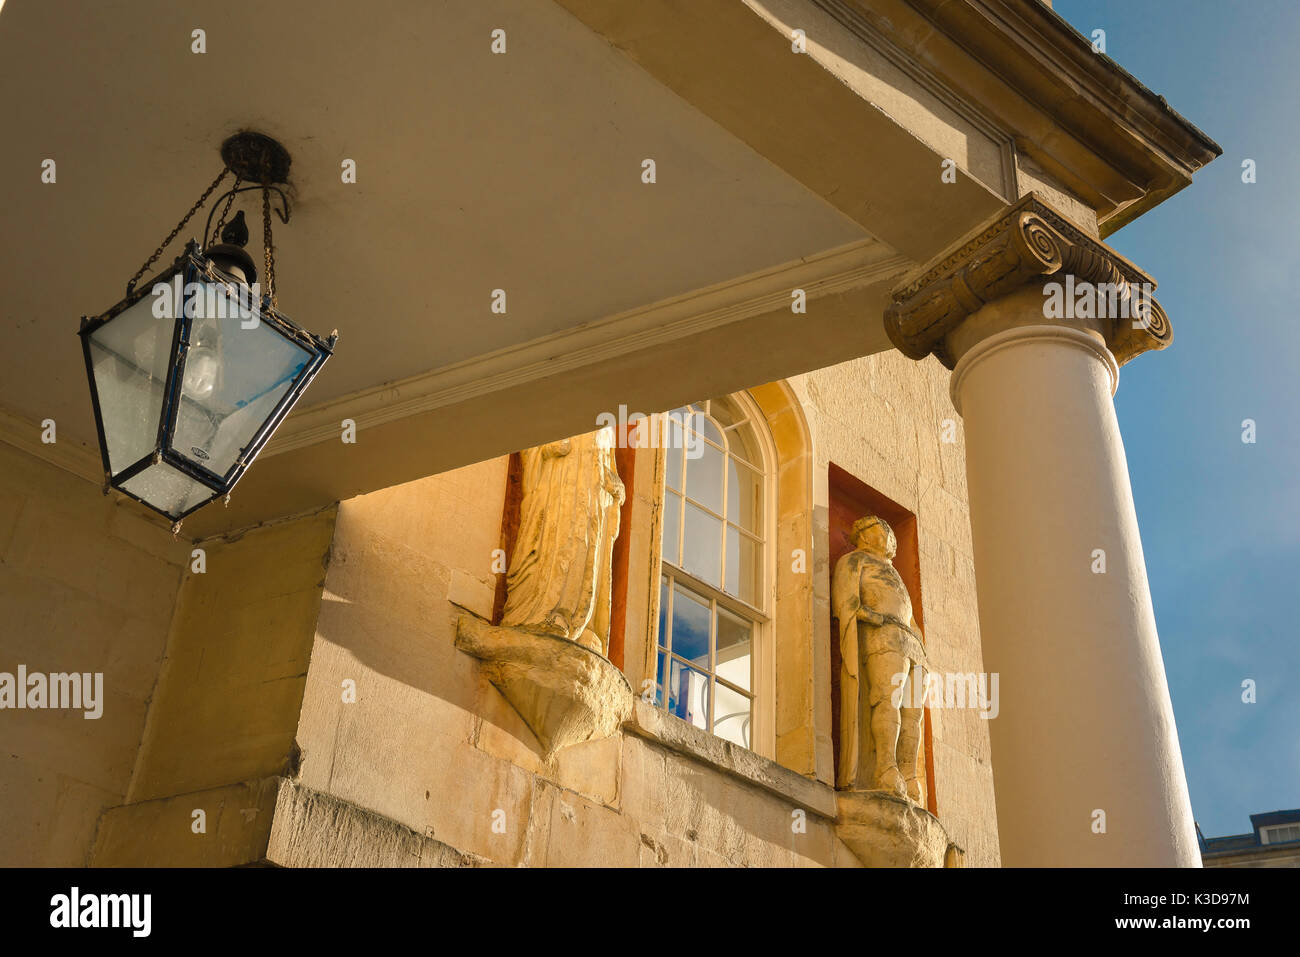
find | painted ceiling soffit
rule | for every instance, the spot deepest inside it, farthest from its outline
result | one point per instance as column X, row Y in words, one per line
column 834, row 271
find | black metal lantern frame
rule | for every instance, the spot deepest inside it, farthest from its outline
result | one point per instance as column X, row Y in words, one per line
column 186, row 397
column 197, row 274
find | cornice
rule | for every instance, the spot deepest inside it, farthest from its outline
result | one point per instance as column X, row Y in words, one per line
column 1148, row 149
column 1048, row 47
column 1026, row 243
column 70, row 456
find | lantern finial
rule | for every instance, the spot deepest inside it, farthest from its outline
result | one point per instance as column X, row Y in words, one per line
column 235, row 232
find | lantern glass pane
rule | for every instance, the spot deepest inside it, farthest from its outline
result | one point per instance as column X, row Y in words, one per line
column 167, row 489
column 237, row 371
column 129, row 356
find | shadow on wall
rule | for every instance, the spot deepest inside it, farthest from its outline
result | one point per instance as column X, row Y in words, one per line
column 396, row 720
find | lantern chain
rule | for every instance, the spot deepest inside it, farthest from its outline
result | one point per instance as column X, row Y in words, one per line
column 230, row 201
column 130, row 286
column 267, row 246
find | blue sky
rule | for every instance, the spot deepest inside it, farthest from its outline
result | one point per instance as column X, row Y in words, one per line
column 1221, row 519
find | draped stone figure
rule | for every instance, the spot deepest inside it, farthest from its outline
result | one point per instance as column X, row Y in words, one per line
column 559, row 575
column 881, row 653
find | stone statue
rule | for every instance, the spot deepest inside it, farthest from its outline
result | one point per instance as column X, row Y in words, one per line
column 559, row 575
column 880, row 646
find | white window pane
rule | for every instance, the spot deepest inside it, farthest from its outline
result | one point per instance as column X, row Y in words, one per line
column 735, row 650
column 744, row 496
column 688, row 694
column 744, row 577
column 706, row 427
column 1280, row 834
column 732, row 716
column 691, row 619
column 702, row 547
column 672, row 519
column 704, row 476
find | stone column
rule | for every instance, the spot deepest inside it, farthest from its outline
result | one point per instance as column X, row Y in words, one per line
column 1086, row 762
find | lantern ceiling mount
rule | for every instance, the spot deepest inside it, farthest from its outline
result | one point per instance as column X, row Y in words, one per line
column 256, row 158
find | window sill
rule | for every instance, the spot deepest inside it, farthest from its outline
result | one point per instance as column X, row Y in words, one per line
column 677, row 735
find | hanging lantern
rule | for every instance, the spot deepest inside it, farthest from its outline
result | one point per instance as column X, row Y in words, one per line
column 191, row 373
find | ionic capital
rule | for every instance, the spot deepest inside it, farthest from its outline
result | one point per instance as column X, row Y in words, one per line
column 1028, row 243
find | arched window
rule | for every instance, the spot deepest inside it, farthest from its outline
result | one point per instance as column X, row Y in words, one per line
column 711, row 663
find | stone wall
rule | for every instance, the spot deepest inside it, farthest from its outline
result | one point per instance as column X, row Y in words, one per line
column 305, row 691
column 223, row 720
column 430, row 744
column 86, row 585
column 240, row 641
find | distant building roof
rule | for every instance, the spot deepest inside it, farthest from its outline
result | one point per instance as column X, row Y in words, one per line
column 1252, row 842
column 1269, row 818
column 1233, row 842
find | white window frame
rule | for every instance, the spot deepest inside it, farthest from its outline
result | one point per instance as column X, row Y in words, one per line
column 761, row 615
column 1267, row 833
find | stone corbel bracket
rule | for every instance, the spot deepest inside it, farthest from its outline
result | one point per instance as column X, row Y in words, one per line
column 565, row 693
column 885, row 830
column 1028, row 242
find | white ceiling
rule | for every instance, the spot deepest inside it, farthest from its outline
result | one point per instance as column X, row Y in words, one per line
column 475, row 171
